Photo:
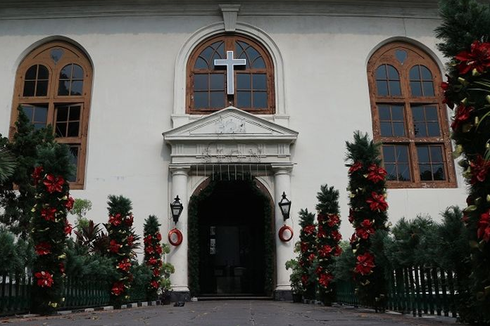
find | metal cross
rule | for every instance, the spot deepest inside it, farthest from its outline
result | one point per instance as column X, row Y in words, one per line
column 229, row 62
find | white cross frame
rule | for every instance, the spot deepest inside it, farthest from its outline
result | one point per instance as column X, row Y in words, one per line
column 229, row 62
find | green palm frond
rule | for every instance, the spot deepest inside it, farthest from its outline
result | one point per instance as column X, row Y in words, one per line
column 7, row 164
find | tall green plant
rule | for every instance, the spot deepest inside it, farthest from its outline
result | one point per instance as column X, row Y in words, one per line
column 368, row 216
column 121, row 241
column 328, row 238
column 49, row 225
column 467, row 92
column 308, row 253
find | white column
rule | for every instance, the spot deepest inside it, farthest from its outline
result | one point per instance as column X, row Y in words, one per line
column 178, row 255
column 284, row 250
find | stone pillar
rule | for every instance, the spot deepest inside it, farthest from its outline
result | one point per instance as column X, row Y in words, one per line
column 284, row 250
column 178, row 255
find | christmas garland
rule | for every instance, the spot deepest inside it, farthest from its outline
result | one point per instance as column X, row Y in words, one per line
column 368, row 216
column 328, row 238
column 153, row 255
column 121, row 242
column 308, row 253
column 50, row 227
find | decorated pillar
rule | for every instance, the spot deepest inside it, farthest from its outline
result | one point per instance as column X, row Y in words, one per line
column 178, row 252
column 284, row 249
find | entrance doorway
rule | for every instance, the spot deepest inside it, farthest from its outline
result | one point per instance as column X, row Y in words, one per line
column 232, row 235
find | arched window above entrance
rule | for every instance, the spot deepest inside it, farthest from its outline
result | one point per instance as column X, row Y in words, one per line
column 252, row 79
column 53, row 87
column 409, row 117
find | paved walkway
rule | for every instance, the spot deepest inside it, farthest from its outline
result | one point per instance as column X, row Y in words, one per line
column 231, row 313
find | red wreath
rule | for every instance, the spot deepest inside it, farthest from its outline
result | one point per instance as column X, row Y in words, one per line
column 179, row 237
column 283, row 230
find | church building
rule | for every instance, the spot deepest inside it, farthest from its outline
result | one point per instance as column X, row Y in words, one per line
column 231, row 108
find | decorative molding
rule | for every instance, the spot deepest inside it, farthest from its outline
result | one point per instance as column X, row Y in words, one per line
column 230, row 13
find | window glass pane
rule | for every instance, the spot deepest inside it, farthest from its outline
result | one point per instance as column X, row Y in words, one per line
column 419, row 129
column 200, row 100
column 243, row 81
column 428, row 89
column 62, row 113
column 433, row 129
column 207, row 53
column 41, row 114
column 43, row 72
column 217, row 81
column 75, row 113
column 259, row 81
column 403, row 172
column 260, row 100
column 397, row 112
column 386, row 129
column 381, row 72
column 415, row 73
column 382, row 87
column 384, row 112
column 244, row 99
column 218, row 99
column 259, row 63
column 65, row 73
column 395, row 88
column 64, row 87
column 418, row 113
column 431, row 113
column 391, row 170
column 426, row 74
column 425, row 172
column 423, row 154
column 73, row 128
column 74, row 160
column 42, row 88
column 31, row 73
column 438, row 172
column 77, row 72
column 76, row 88
column 398, row 129
column 389, row 153
column 201, row 82
column 29, row 111
column 29, row 88
column 61, row 129
column 402, row 153
column 201, row 64
column 393, row 73
column 401, row 55
column 56, row 55
column 436, row 154
column 416, row 88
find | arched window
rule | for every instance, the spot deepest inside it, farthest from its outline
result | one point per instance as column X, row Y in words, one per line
column 242, row 76
column 53, row 87
column 409, row 118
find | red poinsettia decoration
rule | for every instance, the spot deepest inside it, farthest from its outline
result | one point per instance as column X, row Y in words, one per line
column 355, row 167
column 68, row 227
column 147, row 239
column 116, row 219
column 333, row 220
column 159, row 236
column 336, row 235
column 477, row 59
column 365, row 230
column 479, row 169
column 483, row 231
column 309, row 229
column 69, row 203
column 130, row 240
column 129, row 220
column 376, row 173
column 152, row 261
column 117, row 288
column 114, row 246
column 364, row 264
column 43, row 248
column 325, row 279
column 325, row 251
column 304, row 279
column 377, row 202
column 149, row 250
column 36, row 174
column 124, row 265
column 154, row 284
column 311, row 257
column 48, row 213
column 463, row 113
column 321, row 232
column 44, row 279
column 54, row 184
column 156, row 272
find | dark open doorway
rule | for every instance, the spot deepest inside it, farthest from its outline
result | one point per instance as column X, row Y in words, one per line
column 231, row 231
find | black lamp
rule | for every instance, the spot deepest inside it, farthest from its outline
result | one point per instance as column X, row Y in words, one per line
column 176, row 207
column 285, row 206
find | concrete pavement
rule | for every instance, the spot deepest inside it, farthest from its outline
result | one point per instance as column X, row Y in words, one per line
column 231, row 313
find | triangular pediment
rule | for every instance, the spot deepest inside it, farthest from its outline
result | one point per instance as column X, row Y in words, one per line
column 230, row 123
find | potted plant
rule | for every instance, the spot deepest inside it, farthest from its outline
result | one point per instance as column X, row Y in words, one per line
column 295, row 279
column 166, row 270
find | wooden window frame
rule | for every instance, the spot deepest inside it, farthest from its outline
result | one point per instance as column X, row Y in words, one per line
column 71, row 55
column 229, row 40
column 416, row 56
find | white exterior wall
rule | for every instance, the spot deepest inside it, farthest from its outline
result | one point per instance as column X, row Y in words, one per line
column 326, row 98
